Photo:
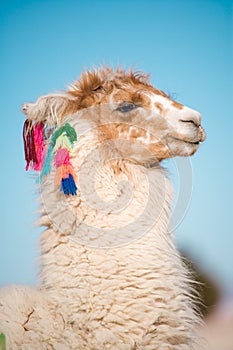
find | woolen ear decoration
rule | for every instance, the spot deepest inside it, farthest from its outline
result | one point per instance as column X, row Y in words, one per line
column 34, row 146
column 59, row 151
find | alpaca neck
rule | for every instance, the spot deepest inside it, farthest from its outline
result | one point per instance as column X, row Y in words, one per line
column 114, row 261
column 120, row 206
column 118, row 200
column 123, row 206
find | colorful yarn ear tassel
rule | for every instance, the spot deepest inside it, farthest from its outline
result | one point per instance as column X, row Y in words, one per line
column 34, row 146
column 65, row 175
column 60, row 149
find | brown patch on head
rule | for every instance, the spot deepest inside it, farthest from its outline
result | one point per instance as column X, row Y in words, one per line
column 122, row 95
column 177, row 105
column 157, row 91
column 119, row 167
column 117, row 131
column 133, row 134
column 88, row 83
column 107, row 132
column 120, row 141
column 88, row 89
column 159, row 150
column 138, row 97
column 141, row 82
column 160, row 107
column 94, row 87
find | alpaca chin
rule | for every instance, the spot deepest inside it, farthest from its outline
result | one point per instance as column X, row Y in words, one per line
column 182, row 148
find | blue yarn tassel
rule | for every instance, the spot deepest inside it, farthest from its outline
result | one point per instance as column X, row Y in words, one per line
column 68, row 186
column 48, row 159
column 47, row 163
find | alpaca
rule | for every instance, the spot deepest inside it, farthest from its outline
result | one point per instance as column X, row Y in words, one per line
column 111, row 276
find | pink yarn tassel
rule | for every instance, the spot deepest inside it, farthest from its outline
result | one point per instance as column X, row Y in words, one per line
column 39, row 145
column 62, row 157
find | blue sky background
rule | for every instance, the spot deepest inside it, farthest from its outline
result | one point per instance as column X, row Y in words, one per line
column 187, row 48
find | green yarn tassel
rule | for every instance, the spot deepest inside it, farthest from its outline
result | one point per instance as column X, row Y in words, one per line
column 62, row 141
column 70, row 132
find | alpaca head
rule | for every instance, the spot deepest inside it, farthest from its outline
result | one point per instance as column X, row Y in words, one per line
column 107, row 128
column 143, row 123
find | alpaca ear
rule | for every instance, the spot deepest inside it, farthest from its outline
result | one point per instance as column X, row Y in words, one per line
column 50, row 109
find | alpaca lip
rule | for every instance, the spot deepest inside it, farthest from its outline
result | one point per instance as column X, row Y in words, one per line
column 193, row 143
column 196, row 140
column 187, row 141
column 203, row 134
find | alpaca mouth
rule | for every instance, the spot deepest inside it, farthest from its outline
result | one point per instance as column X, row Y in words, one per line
column 190, row 142
column 194, row 140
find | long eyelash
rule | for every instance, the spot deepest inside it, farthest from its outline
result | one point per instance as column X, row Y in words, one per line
column 172, row 95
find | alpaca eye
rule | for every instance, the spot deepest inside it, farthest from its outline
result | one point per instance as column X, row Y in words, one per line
column 126, row 107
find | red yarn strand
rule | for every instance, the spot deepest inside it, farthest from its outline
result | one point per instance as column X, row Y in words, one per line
column 29, row 144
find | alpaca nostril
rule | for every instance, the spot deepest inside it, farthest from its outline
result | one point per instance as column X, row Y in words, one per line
column 191, row 117
column 191, row 121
